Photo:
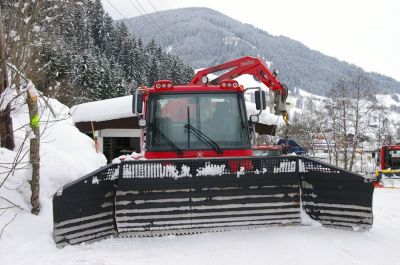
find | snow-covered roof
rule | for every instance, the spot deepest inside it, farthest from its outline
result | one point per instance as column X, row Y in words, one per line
column 102, row 110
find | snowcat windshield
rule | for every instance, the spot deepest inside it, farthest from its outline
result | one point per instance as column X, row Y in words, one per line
column 220, row 117
column 395, row 159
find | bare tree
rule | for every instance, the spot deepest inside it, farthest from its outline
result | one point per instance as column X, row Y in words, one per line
column 22, row 35
column 334, row 119
column 6, row 126
column 351, row 102
column 361, row 105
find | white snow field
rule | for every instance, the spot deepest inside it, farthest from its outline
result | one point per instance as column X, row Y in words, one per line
column 28, row 240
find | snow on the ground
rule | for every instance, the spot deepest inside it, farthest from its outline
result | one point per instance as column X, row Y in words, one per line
column 28, row 241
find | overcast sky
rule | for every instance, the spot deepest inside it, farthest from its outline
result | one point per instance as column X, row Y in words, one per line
column 363, row 32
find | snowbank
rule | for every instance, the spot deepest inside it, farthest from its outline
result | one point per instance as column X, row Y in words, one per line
column 66, row 154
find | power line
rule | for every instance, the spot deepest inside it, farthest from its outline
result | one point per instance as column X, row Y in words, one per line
column 148, row 15
column 145, row 14
column 113, row 7
column 155, row 10
column 126, row 21
column 140, row 5
column 137, row 9
column 151, row 4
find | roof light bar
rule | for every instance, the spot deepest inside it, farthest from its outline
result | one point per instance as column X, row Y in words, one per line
column 229, row 83
column 163, row 84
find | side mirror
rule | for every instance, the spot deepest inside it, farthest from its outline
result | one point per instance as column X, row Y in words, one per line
column 373, row 154
column 137, row 103
column 261, row 102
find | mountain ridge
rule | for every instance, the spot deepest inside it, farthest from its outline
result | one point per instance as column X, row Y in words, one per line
column 204, row 37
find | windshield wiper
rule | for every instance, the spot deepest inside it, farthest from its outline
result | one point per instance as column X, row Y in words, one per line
column 168, row 140
column 199, row 134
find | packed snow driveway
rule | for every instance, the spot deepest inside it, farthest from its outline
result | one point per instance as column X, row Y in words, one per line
column 28, row 240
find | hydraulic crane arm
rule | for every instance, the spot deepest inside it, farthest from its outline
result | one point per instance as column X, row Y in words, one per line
column 252, row 66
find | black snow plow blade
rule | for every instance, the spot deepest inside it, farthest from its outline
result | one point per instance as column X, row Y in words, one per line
column 155, row 198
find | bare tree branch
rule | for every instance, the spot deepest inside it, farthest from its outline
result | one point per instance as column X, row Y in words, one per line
column 5, row 226
column 13, row 204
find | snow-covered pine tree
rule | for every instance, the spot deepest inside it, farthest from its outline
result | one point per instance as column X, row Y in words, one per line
column 95, row 15
column 81, row 45
column 153, row 73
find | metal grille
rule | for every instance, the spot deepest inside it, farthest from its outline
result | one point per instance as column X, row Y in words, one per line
column 158, row 198
column 306, row 165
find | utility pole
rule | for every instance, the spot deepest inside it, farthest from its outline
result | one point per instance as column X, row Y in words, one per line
column 6, row 126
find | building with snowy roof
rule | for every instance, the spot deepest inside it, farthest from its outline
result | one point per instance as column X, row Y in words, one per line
column 113, row 123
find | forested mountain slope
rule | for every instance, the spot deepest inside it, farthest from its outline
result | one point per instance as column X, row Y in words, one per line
column 203, row 37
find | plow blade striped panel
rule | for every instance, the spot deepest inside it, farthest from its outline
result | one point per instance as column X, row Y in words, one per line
column 155, row 197
column 336, row 197
column 192, row 204
column 84, row 210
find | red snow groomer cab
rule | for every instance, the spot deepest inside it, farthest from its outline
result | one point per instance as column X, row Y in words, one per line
column 388, row 165
column 200, row 174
